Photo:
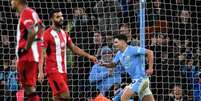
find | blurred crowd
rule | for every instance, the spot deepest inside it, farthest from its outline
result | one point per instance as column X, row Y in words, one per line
column 172, row 31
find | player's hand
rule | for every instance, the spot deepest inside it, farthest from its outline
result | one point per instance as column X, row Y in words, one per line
column 101, row 63
column 21, row 51
column 149, row 71
column 41, row 76
column 93, row 58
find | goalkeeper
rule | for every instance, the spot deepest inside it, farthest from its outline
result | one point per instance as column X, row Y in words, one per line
column 56, row 41
column 104, row 78
column 130, row 58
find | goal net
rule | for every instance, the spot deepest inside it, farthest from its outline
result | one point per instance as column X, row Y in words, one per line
column 172, row 31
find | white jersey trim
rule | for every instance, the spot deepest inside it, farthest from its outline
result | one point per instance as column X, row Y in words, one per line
column 18, row 39
column 58, row 50
column 65, row 40
column 35, row 51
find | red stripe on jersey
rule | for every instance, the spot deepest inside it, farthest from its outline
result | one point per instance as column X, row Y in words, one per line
column 28, row 18
column 56, row 42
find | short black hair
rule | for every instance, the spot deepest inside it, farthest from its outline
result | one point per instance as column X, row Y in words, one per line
column 54, row 11
column 121, row 37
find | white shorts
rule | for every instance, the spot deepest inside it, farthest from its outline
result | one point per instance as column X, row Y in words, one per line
column 141, row 87
column 147, row 92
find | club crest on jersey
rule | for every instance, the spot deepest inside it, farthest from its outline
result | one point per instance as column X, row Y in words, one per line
column 62, row 44
column 126, row 60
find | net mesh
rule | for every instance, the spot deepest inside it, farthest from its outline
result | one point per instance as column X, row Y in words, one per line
column 172, row 32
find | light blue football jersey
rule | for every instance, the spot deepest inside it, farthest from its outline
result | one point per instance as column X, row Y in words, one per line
column 131, row 60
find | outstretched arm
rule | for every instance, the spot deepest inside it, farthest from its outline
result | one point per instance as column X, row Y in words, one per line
column 80, row 52
column 108, row 65
column 111, row 64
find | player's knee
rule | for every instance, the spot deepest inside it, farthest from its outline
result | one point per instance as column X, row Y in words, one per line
column 124, row 98
column 148, row 98
column 29, row 90
column 62, row 97
column 127, row 94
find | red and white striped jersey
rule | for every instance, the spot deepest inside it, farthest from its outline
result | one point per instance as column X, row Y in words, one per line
column 55, row 44
column 29, row 18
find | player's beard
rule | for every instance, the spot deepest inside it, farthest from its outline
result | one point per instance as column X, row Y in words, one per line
column 59, row 24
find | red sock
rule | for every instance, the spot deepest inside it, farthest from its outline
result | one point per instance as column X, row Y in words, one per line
column 33, row 97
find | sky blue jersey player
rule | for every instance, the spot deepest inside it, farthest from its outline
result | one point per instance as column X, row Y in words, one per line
column 130, row 58
column 104, row 78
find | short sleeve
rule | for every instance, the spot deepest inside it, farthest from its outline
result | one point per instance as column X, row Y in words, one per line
column 29, row 18
column 137, row 50
column 46, row 39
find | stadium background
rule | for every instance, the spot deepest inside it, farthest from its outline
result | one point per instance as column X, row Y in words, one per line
column 172, row 30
